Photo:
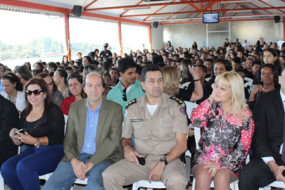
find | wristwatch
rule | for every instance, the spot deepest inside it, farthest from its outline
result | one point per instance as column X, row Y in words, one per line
column 38, row 143
column 163, row 159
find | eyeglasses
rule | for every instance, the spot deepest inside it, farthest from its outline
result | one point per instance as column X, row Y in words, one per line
column 124, row 94
column 50, row 84
column 35, row 92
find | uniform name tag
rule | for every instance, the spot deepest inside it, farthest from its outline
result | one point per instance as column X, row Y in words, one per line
column 136, row 120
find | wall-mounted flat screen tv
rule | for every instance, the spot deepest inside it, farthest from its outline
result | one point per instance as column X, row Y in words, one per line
column 210, row 18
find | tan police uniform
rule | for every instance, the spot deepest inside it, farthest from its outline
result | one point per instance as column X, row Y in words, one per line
column 154, row 137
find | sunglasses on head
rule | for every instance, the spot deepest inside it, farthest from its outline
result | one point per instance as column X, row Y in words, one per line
column 35, row 92
column 124, row 94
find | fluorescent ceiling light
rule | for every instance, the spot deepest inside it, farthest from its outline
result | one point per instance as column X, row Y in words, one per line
column 135, row 8
column 239, row 11
column 226, row 2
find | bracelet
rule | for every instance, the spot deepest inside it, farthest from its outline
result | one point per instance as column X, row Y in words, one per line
column 38, row 143
column 196, row 80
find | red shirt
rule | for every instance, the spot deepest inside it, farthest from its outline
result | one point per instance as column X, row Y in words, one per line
column 66, row 104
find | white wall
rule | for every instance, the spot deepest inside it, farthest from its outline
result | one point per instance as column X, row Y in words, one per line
column 185, row 34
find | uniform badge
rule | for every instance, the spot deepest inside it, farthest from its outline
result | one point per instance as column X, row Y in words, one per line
column 131, row 102
column 182, row 110
column 177, row 100
column 136, row 120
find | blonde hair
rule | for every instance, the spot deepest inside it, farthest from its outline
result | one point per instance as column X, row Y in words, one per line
column 235, row 82
column 171, row 77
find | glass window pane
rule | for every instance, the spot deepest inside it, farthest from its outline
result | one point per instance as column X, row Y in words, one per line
column 30, row 37
column 134, row 37
column 87, row 35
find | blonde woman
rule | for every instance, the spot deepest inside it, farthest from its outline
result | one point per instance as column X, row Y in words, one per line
column 227, row 129
column 171, row 76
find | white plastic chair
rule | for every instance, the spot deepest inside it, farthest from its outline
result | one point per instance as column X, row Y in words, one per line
column 2, row 184
column 80, row 182
column 184, row 85
column 207, row 79
column 276, row 184
column 46, row 176
column 149, row 186
column 233, row 185
column 248, row 79
column 65, row 122
column 189, row 107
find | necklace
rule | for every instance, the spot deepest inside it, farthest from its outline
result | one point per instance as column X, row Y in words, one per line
column 13, row 100
column 264, row 90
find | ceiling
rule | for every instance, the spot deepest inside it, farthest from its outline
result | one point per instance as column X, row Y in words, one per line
column 168, row 11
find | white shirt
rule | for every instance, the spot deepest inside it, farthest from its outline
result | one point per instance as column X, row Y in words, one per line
column 151, row 108
column 20, row 100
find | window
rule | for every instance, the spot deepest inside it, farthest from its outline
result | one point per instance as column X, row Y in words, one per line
column 134, row 37
column 87, row 35
column 30, row 37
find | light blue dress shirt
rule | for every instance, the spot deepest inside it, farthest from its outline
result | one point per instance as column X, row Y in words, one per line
column 89, row 145
column 1, row 87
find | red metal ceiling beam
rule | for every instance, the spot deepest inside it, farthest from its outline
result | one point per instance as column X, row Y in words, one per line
column 224, row 7
column 86, row 7
column 222, row 17
column 204, row 11
column 227, row 13
column 179, row 10
column 192, row 22
column 210, row 5
column 128, row 10
column 259, row 7
column 269, row 5
column 195, row 6
column 28, row 5
column 158, row 10
column 160, row 4
column 106, row 17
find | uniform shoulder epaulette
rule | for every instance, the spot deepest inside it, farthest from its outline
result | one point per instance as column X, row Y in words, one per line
column 131, row 102
column 177, row 100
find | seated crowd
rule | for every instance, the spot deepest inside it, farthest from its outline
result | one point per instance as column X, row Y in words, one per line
column 127, row 118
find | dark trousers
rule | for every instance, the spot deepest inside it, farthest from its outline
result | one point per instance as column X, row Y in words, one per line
column 22, row 171
column 255, row 174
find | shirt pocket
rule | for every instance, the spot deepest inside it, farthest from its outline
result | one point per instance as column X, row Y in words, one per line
column 165, row 130
column 140, row 131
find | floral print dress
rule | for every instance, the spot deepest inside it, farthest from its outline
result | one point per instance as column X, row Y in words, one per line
column 224, row 141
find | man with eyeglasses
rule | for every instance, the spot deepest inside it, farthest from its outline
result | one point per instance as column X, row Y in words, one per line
column 2, row 71
column 92, row 139
column 159, row 125
column 128, row 88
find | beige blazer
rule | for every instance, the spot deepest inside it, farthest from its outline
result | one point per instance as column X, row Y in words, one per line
column 109, row 130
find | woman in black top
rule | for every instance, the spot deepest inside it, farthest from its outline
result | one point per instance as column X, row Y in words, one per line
column 268, row 77
column 42, row 125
